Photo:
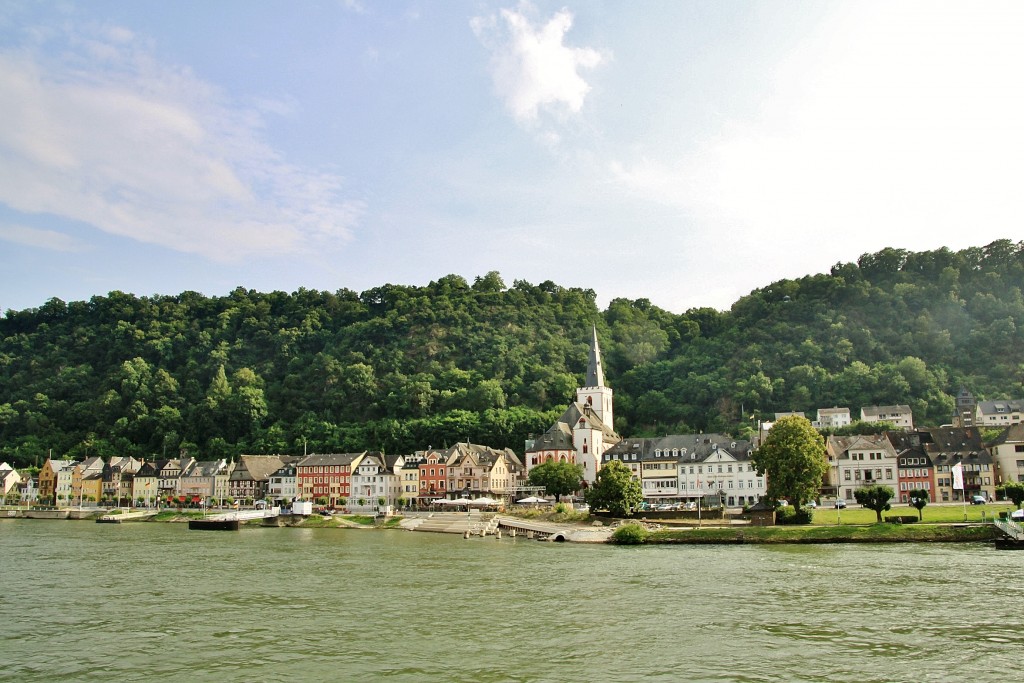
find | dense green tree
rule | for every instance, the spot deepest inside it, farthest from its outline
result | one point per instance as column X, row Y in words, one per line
column 403, row 363
column 875, row 498
column 792, row 458
column 1013, row 491
column 918, row 501
column 615, row 490
column 558, row 478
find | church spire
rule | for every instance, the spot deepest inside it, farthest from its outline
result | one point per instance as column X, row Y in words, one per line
column 595, row 373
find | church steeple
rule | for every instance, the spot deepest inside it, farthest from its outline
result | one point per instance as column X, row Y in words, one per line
column 595, row 373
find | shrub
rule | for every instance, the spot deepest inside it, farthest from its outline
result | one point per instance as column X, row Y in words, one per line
column 630, row 534
column 560, row 508
column 790, row 515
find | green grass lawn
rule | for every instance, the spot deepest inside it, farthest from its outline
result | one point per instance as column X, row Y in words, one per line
column 872, row 533
column 935, row 514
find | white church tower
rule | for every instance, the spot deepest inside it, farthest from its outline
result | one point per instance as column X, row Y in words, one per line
column 593, row 432
column 594, row 393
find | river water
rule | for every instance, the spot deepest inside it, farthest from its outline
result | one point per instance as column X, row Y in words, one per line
column 157, row 602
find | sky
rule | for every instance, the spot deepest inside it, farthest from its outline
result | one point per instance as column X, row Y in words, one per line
column 682, row 152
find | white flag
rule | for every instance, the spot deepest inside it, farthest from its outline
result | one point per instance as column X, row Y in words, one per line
column 958, row 476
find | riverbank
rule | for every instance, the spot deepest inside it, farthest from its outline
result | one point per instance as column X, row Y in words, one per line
column 870, row 533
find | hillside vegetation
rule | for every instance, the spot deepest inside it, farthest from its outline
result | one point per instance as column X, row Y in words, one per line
column 399, row 368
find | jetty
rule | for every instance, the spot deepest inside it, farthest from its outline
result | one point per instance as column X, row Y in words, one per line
column 118, row 518
column 1012, row 537
column 230, row 521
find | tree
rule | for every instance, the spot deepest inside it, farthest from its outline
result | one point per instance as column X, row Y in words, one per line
column 875, row 498
column 615, row 490
column 792, row 459
column 918, row 499
column 1014, row 490
column 557, row 478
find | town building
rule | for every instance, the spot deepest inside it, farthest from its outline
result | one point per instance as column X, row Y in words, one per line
column 947, row 447
column 999, row 413
column 282, row 485
column 250, row 478
column 326, row 476
column 832, row 418
column 858, row 461
column 900, row 416
column 433, row 476
column 1008, row 454
column 916, row 469
column 692, row 467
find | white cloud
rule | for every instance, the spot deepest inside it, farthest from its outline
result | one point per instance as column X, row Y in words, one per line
column 893, row 124
column 106, row 135
column 41, row 239
column 532, row 67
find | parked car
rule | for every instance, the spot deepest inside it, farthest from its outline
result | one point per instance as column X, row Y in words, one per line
column 840, row 504
column 978, row 500
column 1017, row 514
column 811, row 504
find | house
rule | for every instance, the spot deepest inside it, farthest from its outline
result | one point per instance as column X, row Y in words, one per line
column 146, row 485
column 169, row 474
column 585, row 430
column 55, row 481
column 916, row 469
column 433, row 476
column 863, row 460
column 947, row 447
column 899, row 416
column 474, row 470
column 1008, row 454
column 90, row 488
column 375, row 478
column 282, row 485
column 117, row 479
column 326, row 476
column 205, row 480
column 832, row 418
column 692, row 467
column 9, row 480
column 250, row 479
column 999, row 413
column 410, row 477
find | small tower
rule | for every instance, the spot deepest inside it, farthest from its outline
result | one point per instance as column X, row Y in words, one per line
column 966, row 409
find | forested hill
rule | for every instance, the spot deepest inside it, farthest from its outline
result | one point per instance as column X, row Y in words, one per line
column 400, row 368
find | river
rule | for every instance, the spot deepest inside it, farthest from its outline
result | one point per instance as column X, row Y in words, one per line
column 156, row 602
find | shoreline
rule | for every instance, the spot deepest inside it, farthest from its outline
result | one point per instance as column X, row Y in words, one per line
column 965, row 532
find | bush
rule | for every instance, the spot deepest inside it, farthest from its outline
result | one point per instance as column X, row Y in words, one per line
column 901, row 519
column 561, row 508
column 790, row 515
column 630, row 534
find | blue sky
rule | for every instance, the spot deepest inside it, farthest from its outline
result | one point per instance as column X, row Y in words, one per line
column 685, row 152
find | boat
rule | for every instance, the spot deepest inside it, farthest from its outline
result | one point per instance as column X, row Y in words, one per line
column 109, row 519
column 213, row 524
column 1007, row 543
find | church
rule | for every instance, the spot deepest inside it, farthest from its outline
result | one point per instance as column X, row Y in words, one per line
column 584, row 431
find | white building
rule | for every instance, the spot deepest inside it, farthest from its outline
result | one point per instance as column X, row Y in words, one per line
column 1008, row 454
column 999, row 413
column 856, row 461
column 902, row 417
column 283, row 486
column 833, row 418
